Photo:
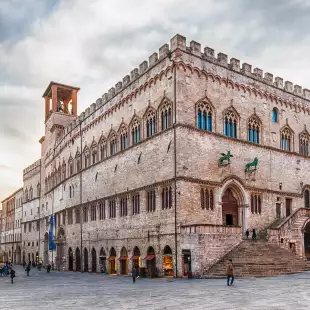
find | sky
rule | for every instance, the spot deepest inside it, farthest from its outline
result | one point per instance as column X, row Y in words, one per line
column 94, row 44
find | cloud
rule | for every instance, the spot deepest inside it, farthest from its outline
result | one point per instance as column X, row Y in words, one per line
column 94, row 44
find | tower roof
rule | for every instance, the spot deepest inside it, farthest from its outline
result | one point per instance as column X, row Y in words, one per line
column 47, row 92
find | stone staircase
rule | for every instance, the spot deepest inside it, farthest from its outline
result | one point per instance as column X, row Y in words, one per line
column 258, row 259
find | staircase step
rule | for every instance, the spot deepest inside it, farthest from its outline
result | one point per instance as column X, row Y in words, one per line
column 259, row 258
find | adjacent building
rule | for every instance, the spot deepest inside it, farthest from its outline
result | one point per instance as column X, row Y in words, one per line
column 170, row 167
column 10, row 224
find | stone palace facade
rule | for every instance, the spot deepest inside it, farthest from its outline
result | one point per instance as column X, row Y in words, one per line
column 169, row 168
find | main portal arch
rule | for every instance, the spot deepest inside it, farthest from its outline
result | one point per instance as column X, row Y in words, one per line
column 234, row 201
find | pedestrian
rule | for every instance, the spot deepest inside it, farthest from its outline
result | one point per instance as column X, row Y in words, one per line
column 134, row 274
column 48, row 268
column 5, row 270
column 12, row 275
column 230, row 273
column 254, row 234
column 28, row 269
column 247, row 233
column 1, row 271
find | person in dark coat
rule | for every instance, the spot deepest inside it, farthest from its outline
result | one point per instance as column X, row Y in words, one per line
column 254, row 234
column 134, row 274
column 28, row 269
column 48, row 268
column 247, row 233
column 12, row 273
column 230, row 273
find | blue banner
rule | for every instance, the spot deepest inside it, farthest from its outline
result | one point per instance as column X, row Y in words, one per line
column 51, row 244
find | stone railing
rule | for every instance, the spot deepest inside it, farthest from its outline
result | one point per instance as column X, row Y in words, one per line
column 287, row 223
column 210, row 229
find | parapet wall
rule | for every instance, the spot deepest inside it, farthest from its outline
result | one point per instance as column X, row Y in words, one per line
column 178, row 43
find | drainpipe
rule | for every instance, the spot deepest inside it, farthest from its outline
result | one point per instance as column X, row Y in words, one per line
column 40, row 209
column 175, row 162
column 81, row 210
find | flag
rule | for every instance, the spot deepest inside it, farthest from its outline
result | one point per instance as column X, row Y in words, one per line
column 52, row 245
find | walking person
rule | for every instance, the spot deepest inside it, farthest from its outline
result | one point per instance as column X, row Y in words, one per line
column 247, row 233
column 12, row 273
column 230, row 273
column 28, row 269
column 254, row 234
column 48, row 267
column 134, row 274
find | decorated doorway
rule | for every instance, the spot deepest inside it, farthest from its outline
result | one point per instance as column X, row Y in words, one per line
column 229, row 209
column 93, row 260
column 123, row 262
column 112, row 261
column 307, row 241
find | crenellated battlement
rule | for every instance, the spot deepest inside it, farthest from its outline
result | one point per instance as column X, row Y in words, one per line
column 32, row 166
column 179, row 43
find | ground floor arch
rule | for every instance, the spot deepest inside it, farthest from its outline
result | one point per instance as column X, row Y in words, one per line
column 93, row 260
column 32, row 257
column 123, row 259
column 307, row 240
column 77, row 259
column 70, row 259
column 85, row 254
column 24, row 257
column 18, row 255
column 45, row 249
column 168, row 262
column 60, row 249
column 112, row 261
column 102, row 261
column 136, row 257
column 150, row 262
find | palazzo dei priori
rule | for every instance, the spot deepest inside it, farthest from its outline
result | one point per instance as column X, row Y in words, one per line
column 167, row 170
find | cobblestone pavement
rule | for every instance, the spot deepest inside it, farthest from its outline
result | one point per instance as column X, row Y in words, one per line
column 69, row 290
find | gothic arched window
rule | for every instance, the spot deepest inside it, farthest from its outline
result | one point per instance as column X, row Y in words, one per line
column 70, row 164
column 102, row 146
column 304, row 144
column 254, row 130
column 135, row 131
column 307, row 198
column 286, row 139
column 166, row 114
column 64, row 167
column 274, row 115
column 204, row 116
column 230, row 124
column 123, row 137
column 113, row 144
column 94, row 152
column 256, row 204
column 86, row 156
column 150, row 123
column 78, row 161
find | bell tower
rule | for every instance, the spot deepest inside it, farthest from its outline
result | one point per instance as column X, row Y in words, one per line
column 61, row 99
column 60, row 111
